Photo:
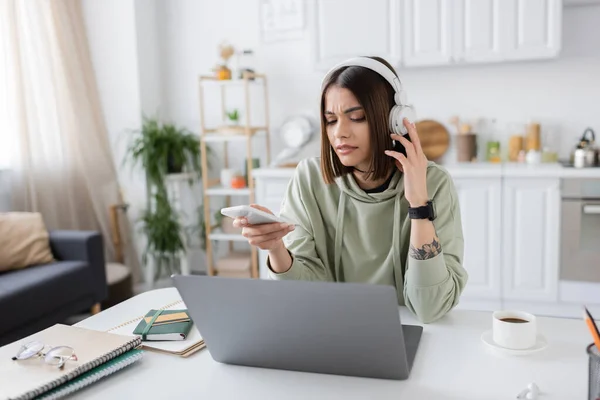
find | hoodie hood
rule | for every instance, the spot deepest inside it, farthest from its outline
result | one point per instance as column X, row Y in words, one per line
column 351, row 191
column 349, row 187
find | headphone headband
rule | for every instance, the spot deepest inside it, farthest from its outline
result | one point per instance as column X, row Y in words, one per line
column 374, row 65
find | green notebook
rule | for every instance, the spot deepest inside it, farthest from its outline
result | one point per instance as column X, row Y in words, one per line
column 164, row 325
column 93, row 375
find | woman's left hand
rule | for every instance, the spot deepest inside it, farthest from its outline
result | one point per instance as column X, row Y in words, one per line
column 414, row 166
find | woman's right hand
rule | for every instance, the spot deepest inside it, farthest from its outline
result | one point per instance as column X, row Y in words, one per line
column 264, row 236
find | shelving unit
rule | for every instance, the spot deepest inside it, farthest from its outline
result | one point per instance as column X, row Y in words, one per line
column 225, row 134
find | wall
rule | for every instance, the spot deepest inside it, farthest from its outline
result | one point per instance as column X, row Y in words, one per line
column 562, row 94
column 111, row 31
column 149, row 46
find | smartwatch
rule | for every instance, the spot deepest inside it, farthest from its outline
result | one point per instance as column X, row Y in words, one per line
column 424, row 212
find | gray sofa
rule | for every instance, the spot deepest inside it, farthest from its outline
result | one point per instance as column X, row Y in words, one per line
column 39, row 296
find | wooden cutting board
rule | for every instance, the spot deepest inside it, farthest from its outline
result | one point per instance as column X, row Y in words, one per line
column 434, row 137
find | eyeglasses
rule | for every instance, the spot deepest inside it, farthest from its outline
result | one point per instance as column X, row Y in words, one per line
column 57, row 356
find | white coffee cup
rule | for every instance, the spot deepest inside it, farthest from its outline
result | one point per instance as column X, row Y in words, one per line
column 515, row 330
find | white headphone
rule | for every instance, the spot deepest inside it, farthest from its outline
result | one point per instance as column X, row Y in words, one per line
column 401, row 110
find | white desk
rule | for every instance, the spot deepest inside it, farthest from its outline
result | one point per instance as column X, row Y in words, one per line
column 451, row 363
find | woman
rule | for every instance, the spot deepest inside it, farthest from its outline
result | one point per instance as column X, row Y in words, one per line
column 351, row 206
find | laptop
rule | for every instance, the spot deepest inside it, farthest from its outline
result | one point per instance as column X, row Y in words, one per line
column 349, row 329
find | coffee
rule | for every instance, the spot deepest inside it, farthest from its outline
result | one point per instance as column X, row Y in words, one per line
column 514, row 320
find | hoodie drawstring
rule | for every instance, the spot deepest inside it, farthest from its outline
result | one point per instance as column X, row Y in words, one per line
column 339, row 232
column 396, row 238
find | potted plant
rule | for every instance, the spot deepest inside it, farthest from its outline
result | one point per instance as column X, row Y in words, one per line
column 161, row 149
column 162, row 230
column 233, row 117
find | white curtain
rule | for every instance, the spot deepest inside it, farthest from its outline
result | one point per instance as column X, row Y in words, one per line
column 52, row 133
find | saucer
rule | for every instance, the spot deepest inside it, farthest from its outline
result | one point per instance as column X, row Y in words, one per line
column 541, row 344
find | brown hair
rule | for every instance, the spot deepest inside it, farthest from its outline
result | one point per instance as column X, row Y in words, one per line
column 376, row 96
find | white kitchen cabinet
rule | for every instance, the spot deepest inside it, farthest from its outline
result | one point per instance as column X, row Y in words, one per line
column 427, row 32
column 480, row 208
column 495, row 31
column 530, row 239
column 480, row 31
column 348, row 28
column 535, row 29
column 418, row 33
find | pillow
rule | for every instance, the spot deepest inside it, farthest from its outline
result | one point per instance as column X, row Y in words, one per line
column 24, row 241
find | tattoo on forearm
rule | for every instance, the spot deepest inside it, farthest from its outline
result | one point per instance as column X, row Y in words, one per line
column 428, row 250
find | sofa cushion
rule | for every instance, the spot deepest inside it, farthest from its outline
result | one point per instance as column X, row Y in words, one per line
column 23, row 240
column 32, row 292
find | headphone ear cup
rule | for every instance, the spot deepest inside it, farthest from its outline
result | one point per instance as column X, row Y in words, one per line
column 397, row 115
column 395, row 121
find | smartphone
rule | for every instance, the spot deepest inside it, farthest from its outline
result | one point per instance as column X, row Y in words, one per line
column 253, row 215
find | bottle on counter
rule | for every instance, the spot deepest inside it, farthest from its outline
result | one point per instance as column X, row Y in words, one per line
column 466, row 144
column 533, row 137
column 493, row 151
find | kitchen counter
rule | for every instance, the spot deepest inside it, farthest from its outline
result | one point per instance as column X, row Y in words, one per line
column 480, row 170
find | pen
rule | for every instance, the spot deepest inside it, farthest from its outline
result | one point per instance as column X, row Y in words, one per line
column 592, row 327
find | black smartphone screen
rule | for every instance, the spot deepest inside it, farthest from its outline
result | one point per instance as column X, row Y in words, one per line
column 399, row 147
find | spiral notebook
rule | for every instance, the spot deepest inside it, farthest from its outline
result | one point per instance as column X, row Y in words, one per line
column 94, row 375
column 26, row 379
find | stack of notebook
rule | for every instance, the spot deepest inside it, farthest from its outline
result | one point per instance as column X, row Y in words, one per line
column 99, row 354
column 190, row 342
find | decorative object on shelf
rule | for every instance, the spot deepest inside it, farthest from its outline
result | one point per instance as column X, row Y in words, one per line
column 163, row 150
column 282, row 20
column 238, row 182
column 223, row 72
column 245, row 61
column 233, row 117
column 295, row 132
column 226, row 177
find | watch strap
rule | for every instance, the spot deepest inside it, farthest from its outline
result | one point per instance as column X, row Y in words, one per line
column 422, row 212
